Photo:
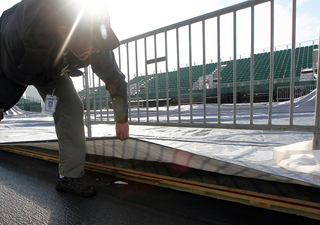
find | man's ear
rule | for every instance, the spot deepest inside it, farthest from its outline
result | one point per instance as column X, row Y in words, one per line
column 64, row 32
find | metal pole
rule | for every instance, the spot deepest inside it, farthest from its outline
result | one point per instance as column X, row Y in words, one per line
column 218, row 70
column 204, row 72
column 137, row 77
column 234, row 67
column 178, row 76
column 156, row 69
column 100, row 99
column 88, row 119
column 293, row 58
column 316, row 133
column 252, row 66
column 94, row 96
column 167, row 76
column 271, row 61
column 147, row 81
column 119, row 52
column 128, row 78
column 190, row 74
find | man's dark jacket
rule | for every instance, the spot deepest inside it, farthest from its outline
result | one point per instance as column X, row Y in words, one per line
column 29, row 46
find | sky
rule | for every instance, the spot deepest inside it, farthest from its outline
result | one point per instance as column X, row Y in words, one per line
column 130, row 18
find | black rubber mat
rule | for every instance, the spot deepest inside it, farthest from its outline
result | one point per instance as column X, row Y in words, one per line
column 28, row 196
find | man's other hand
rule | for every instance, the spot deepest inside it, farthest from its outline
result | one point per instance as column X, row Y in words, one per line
column 122, row 131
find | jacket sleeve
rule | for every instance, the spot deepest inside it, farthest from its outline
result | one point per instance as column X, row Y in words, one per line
column 104, row 65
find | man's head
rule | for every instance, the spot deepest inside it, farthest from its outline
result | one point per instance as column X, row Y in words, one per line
column 81, row 46
column 85, row 27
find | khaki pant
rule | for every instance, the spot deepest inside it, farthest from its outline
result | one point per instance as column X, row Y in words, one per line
column 68, row 119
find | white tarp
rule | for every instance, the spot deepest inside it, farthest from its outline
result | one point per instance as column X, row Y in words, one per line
column 142, row 150
column 246, row 148
column 299, row 157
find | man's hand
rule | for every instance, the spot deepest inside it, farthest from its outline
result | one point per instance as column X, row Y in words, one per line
column 122, row 131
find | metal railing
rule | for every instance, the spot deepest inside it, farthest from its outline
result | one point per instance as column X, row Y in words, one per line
column 283, row 93
column 153, row 50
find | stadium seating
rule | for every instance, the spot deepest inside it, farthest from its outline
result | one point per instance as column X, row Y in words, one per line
column 282, row 69
column 181, row 77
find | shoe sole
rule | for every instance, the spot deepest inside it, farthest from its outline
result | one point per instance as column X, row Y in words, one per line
column 62, row 188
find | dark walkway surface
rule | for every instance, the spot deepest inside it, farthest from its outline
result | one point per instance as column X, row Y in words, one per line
column 28, row 196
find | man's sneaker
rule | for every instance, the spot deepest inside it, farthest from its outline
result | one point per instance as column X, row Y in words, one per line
column 74, row 185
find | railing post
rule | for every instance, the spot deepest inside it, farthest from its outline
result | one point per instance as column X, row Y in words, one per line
column 293, row 65
column 316, row 133
column 88, row 118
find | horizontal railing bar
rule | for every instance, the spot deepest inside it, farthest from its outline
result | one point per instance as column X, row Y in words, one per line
column 160, row 59
column 267, row 127
column 197, row 19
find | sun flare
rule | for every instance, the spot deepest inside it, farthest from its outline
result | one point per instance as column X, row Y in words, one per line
column 92, row 7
